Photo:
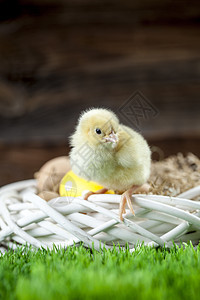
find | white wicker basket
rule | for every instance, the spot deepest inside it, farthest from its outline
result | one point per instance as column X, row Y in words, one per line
column 26, row 218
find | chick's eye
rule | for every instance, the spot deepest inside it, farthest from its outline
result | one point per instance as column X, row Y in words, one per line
column 98, row 131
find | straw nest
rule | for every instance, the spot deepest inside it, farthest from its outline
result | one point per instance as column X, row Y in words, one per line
column 170, row 212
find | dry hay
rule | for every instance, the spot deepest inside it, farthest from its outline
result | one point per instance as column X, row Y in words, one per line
column 175, row 174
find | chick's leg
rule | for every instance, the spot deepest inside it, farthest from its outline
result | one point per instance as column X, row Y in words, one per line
column 126, row 198
column 101, row 191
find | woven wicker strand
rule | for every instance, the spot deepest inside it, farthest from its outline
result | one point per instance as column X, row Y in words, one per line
column 25, row 218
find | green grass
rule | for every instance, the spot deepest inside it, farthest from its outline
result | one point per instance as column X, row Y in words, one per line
column 78, row 273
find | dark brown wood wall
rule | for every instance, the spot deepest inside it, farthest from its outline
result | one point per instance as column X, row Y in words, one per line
column 58, row 57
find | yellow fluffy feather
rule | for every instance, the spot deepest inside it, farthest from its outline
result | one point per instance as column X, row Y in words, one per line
column 113, row 155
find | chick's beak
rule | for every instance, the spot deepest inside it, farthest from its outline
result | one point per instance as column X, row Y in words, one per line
column 112, row 138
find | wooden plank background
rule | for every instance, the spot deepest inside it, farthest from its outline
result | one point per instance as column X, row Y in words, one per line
column 59, row 57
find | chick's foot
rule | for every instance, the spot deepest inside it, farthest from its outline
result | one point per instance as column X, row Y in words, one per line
column 126, row 198
column 101, row 191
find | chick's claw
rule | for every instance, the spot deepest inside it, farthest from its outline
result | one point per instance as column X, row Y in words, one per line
column 101, row 191
column 125, row 198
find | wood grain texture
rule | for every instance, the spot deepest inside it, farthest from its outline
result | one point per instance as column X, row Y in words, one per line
column 20, row 162
column 59, row 57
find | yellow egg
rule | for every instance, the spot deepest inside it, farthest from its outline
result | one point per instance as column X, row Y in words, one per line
column 73, row 186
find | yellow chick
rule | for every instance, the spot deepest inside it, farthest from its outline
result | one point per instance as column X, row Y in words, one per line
column 111, row 154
